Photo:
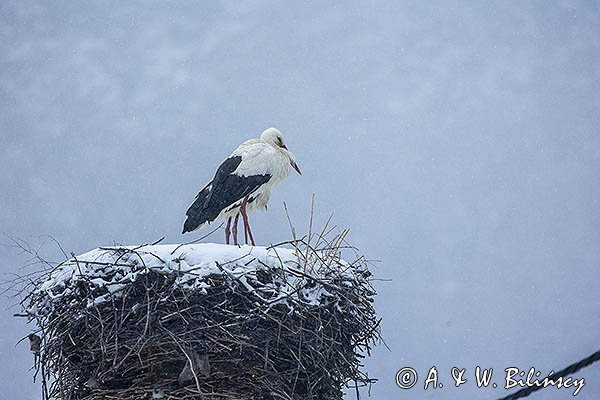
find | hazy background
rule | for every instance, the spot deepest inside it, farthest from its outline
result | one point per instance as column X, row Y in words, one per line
column 458, row 141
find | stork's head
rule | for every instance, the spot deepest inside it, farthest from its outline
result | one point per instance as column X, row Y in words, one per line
column 275, row 139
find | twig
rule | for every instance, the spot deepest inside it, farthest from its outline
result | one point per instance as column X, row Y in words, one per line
column 197, row 240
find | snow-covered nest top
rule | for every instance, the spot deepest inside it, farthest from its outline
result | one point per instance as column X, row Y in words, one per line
column 110, row 269
column 205, row 320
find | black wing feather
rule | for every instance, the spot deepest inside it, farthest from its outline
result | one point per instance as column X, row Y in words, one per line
column 194, row 213
column 224, row 190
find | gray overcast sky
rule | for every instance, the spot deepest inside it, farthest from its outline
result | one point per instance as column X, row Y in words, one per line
column 457, row 140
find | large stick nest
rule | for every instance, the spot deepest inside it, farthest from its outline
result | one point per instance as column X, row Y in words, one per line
column 162, row 322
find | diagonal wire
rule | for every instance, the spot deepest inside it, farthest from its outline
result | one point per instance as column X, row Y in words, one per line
column 571, row 369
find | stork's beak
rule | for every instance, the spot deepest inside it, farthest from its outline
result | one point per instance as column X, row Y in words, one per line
column 292, row 159
column 295, row 166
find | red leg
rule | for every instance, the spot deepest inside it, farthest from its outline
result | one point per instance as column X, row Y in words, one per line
column 235, row 222
column 250, row 232
column 246, row 223
column 227, row 230
column 245, row 227
column 243, row 211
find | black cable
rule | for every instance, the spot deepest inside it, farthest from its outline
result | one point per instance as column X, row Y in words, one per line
column 571, row 369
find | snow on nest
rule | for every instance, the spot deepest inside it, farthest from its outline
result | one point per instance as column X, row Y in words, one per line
column 113, row 268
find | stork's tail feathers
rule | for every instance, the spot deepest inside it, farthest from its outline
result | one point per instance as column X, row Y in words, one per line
column 195, row 215
column 190, row 225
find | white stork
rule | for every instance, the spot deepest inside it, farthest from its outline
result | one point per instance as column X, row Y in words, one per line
column 242, row 184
